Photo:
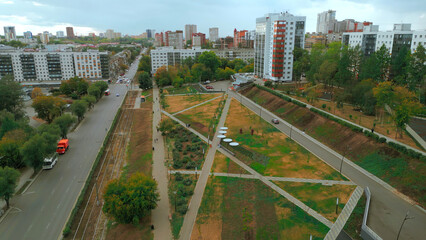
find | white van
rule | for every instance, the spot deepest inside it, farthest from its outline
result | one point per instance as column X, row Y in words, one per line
column 50, row 161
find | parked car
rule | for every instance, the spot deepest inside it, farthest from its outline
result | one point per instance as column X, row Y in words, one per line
column 117, row 95
column 50, row 161
column 209, row 87
column 275, row 121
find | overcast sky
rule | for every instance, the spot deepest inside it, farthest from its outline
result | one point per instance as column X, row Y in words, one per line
column 134, row 17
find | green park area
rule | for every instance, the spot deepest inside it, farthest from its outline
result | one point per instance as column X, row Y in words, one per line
column 179, row 90
column 178, row 103
column 235, row 208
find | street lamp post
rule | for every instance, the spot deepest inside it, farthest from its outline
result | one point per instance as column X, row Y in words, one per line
column 343, row 157
column 291, row 129
column 405, row 218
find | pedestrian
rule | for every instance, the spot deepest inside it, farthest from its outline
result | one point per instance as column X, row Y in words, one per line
column 372, row 130
column 153, row 149
column 152, row 227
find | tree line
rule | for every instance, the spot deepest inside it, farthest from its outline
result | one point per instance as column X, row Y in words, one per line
column 22, row 145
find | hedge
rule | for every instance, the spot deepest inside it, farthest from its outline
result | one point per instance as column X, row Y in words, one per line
column 407, row 151
column 67, row 229
column 338, row 120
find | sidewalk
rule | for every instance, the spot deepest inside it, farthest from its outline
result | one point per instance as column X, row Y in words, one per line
column 194, row 205
column 160, row 215
column 25, row 176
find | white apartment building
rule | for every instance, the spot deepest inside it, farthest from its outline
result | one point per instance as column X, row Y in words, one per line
column 277, row 34
column 326, row 21
column 371, row 39
column 54, row 66
column 174, row 39
column 9, row 33
column 168, row 56
column 238, row 53
column 213, row 34
column 60, row 34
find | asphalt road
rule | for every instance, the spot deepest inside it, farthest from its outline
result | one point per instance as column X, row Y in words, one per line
column 387, row 210
column 43, row 210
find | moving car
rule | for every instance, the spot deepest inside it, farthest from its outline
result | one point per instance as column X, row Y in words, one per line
column 209, row 87
column 107, row 92
column 49, row 162
column 117, row 95
column 275, row 121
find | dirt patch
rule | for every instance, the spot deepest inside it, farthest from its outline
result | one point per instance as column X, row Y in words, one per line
column 39, row 120
column 211, row 230
column 281, row 156
column 129, row 231
column 178, row 103
column 319, row 197
column 201, row 117
column 223, row 164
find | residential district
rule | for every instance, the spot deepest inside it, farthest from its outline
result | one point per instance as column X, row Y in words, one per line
column 272, row 133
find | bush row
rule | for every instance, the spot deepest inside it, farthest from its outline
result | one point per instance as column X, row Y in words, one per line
column 405, row 150
column 67, row 229
column 333, row 118
column 374, row 136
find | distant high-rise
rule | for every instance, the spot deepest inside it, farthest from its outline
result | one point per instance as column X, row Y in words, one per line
column 198, row 39
column 174, row 39
column 45, row 37
column 277, row 35
column 213, row 34
column 28, row 35
column 60, row 34
column 109, row 34
column 150, row 33
column 70, row 32
column 9, row 33
column 326, row 21
column 189, row 30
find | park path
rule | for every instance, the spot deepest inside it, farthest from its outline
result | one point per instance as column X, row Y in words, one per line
column 270, row 178
column 186, row 109
column 194, row 205
column 160, row 215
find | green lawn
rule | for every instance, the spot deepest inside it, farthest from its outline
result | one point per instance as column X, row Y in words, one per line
column 181, row 90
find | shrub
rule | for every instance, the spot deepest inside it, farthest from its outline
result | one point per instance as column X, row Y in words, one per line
column 178, row 177
column 187, row 182
column 182, row 209
column 324, row 106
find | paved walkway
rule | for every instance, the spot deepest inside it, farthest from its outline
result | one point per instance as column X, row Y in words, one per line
column 160, row 215
column 278, row 179
column 283, row 193
column 181, row 111
column 138, row 100
column 344, row 215
column 23, row 178
column 194, row 205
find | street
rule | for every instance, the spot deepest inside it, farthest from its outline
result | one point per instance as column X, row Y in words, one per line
column 387, row 210
column 42, row 211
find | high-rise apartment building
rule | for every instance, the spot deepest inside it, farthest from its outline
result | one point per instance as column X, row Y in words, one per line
column 28, row 35
column 45, row 37
column 60, row 34
column 109, row 34
column 213, row 34
column 70, row 32
column 174, row 39
column 54, row 66
column 326, row 21
column 159, row 40
column 9, row 33
column 277, row 34
column 371, row 39
column 150, row 33
column 189, row 30
column 198, row 39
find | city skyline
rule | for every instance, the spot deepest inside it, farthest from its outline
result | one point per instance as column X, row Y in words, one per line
column 53, row 16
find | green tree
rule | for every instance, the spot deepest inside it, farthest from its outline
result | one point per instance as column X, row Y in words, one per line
column 10, row 152
column 301, row 63
column 34, row 151
column 344, row 73
column 189, row 61
column 130, row 200
column 8, row 181
column 370, row 69
column 200, row 72
column 362, row 96
column 74, row 87
column 103, row 86
column 400, row 66
column 145, row 64
column 417, row 68
column 356, row 56
column 48, row 107
column 64, row 122
column 237, row 64
column 145, row 81
column 249, row 68
column 79, row 108
column 51, row 134
column 94, row 91
column 384, row 60
column 11, row 96
column 326, row 73
column 90, row 100
column 316, row 58
column 210, row 60
column 177, row 82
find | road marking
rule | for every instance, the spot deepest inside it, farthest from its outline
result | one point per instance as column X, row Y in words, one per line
column 52, row 192
column 47, row 227
column 42, row 208
column 58, row 205
column 62, row 177
column 27, row 193
column 67, row 189
column 29, row 228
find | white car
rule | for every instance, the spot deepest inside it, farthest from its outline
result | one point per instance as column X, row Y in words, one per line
column 50, row 161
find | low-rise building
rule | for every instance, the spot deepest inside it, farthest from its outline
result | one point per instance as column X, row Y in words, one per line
column 168, row 56
column 371, row 39
column 232, row 54
column 54, row 66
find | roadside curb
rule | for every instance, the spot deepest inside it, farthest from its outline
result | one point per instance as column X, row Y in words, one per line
column 31, row 182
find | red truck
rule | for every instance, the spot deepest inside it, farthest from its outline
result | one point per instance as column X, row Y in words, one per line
column 63, row 145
